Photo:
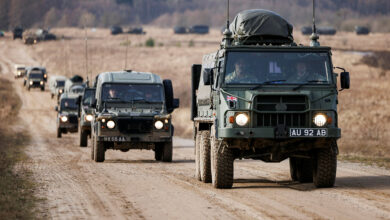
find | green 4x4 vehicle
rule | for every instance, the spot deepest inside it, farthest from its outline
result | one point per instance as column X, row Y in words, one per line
column 86, row 115
column 133, row 111
column 67, row 117
column 261, row 96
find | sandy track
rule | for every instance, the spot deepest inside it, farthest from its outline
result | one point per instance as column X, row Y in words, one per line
column 133, row 186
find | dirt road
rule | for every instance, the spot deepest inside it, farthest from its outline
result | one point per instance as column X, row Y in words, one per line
column 133, row 186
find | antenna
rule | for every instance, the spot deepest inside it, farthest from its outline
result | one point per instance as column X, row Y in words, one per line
column 127, row 48
column 314, row 37
column 86, row 50
column 227, row 34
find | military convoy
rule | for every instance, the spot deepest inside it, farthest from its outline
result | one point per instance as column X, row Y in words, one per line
column 132, row 111
column 261, row 96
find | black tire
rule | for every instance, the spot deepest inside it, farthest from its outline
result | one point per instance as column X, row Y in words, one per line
column 43, row 88
column 158, row 149
column 83, row 138
column 28, row 88
column 59, row 133
column 168, row 89
column 92, row 149
column 222, row 166
column 52, row 96
column 304, row 170
column 197, row 157
column 99, row 151
column 204, row 157
column 325, row 166
column 167, row 152
column 293, row 169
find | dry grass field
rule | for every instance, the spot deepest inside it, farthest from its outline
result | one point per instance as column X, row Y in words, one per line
column 364, row 114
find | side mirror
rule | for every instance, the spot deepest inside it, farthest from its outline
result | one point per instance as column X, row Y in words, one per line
column 344, row 80
column 56, row 108
column 207, row 76
column 176, row 103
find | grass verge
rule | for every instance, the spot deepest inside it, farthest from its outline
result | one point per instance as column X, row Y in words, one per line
column 17, row 199
column 376, row 161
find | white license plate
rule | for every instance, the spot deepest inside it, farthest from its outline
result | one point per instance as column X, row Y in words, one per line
column 308, row 132
column 115, row 139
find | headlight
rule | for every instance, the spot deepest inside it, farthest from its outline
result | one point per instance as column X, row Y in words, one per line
column 41, row 82
column 89, row 118
column 242, row 119
column 31, row 82
column 45, row 76
column 64, row 118
column 320, row 119
column 159, row 125
column 110, row 124
column 60, row 91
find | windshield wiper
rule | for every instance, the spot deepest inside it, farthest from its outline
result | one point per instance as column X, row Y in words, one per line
column 310, row 81
column 267, row 82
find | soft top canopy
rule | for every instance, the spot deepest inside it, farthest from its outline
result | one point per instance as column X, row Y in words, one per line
column 77, row 79
column 262, row 24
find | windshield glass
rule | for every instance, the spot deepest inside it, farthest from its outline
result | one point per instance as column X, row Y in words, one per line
column 35, row 75
column 132, row 92
column 277, row 68
column 88, row 96
column 60, row 83
column 69, row 105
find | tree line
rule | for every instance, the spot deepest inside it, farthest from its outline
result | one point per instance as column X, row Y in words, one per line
column 105, row 13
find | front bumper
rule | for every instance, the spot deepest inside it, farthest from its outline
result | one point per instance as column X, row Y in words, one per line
column 71, row 127
column 269, row 133
column 153, row 137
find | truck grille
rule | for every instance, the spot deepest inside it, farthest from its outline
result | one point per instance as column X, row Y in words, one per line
column 287, row 119
column 135, row 126
column 281, row 103
column 73, row 119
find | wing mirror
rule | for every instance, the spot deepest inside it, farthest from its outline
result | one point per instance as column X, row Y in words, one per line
column 176, row 103
column 208, row 75
column 344, row 80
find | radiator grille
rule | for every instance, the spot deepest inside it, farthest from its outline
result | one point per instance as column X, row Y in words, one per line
column 135, row 126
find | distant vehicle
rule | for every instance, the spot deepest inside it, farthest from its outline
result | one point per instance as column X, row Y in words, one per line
column 17, row 33
column 116, row 30
column 86, row 115
column 326, row 31
column 361, row 30
column 35, row 80
column 30, row 39
column 67, row 116
column 137, row 30
column 180, row 30
column 306, row 30
column 1, row 34
column 44, row 35
column 35, row 69
column 56, row 85
column 199, row 29
column 20, row 71
column 74, row 81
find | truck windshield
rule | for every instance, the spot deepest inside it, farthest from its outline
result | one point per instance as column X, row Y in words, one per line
column 60, row 83
column 132, row 92
column 88, row 96
column 277, row 68
column 36, row 75
column 69, row 105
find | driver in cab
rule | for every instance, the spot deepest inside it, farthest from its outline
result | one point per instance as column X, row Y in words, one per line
column 239, row 75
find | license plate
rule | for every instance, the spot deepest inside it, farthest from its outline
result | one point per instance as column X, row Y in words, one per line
column 308, row 132
column 115, row 139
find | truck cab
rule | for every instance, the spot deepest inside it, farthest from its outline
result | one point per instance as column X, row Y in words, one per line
column 265, row 98
column 133, row 111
